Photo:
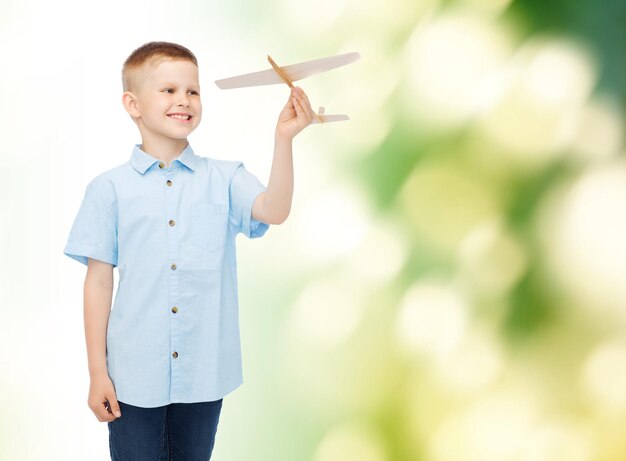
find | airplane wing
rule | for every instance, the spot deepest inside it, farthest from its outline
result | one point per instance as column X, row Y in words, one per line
column 293, row 71
column 323, row 118
column 331, row 118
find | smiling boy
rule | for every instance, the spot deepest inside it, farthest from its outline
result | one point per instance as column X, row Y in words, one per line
column 163, row 358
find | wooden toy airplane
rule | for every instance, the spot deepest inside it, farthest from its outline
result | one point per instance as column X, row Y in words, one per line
column 292, row 73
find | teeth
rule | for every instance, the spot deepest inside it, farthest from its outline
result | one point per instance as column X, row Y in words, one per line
column 180, row 117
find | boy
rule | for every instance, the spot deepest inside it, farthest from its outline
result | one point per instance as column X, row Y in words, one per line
column 162, row 362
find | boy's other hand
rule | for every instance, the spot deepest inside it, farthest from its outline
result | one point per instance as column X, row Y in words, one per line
column 295, row 116
column 102, row 399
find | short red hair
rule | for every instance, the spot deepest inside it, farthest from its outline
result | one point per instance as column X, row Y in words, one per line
column 153, row 53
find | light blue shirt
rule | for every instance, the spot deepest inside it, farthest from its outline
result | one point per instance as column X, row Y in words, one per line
column 173, row 332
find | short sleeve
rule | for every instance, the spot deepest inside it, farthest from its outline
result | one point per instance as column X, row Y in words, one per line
column 244, row 189
column 94, row 232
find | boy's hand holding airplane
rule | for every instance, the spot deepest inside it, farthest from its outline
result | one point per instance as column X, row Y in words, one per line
column 295, row 116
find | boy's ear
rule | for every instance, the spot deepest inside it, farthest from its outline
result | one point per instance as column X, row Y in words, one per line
column 129, row 101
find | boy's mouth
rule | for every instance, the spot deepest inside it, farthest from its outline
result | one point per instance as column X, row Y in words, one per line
column 181, row 117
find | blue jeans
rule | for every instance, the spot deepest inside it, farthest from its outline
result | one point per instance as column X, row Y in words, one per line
column 178, row 431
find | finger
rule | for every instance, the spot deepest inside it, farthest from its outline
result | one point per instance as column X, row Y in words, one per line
column 114, row 405
column 304, row 96
column 300, row 111
column 305, row 112
column 305, row 116
column 304, row 102
column 102, row 411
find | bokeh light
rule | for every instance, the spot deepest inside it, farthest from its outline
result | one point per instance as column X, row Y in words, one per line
column 351, row 442
column 432, row 319
column 586, row 244
column 451, row 58
column 604, row 376
column 541, row 91
column 493, row 428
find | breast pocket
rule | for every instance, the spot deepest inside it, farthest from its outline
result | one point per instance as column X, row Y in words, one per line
column 209, row 224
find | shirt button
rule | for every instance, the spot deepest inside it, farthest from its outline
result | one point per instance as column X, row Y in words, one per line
column 175, row 354
column 173, row 266
column 172, row 222
column 169, row 183
column 161, row 164
column 174, row 309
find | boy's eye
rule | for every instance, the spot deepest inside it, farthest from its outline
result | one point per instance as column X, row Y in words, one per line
column 167, row 90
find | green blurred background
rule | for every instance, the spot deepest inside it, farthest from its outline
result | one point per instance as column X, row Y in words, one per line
column 451, row 283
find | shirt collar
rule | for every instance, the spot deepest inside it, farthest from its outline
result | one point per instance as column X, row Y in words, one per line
column 141, row 160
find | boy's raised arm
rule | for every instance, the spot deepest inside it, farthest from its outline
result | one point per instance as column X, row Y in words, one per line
column 273, row 205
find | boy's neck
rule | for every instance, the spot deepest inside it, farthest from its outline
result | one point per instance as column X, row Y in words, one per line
column 165, row 152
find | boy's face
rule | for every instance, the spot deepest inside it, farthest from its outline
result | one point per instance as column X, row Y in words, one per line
column 172, row 87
